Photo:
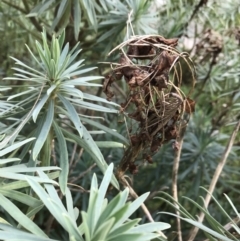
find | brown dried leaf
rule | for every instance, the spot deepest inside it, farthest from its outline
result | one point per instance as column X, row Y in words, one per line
column 107, row 87
column 133, row 168
column 156, row 144
column 190, row 106
column 135, row 140
column 170, row 42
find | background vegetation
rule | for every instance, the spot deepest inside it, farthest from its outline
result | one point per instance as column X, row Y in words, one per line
column 38, row 103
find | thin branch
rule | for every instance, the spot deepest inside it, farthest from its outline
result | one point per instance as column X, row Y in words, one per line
column 200, row 4
column 215, row 178
column 73, row 155
column 82, row 174
column 196, row 9
column 33, row 20
column 15, row 6
column 174, row 185
column 143, row 206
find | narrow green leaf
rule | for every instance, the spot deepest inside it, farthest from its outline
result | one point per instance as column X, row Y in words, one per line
column 92, row 106
column 51, row 89
column 70, row 226
column 72, row 113
column 46, row 151
column 86, row 226
column 103, row 231
column 114, row 205
column 55, row 209
column 131, row 209
column 62, row 67
column 206, row 229
column 109, row 144
column 44, row 131
column 103, row 4
column 135, row 237
column 82, row 71
column 34, row 57
column 76, row 18
column 20, row 217
column 8, row 160
column 40, row 8
column 181, row 209
column 69, row 202
column 52, row 70
column 90, row 12
column 72, row 91
column 22, row 184
column 74, row 53
column 63, row 178
column 33, row 211
column 80, row 80
column 16, row 176
column 24, row 72
column 61, row 39
column 24, row 169
column 13, row 236
column 63, row 55
column 46, row 50
column 101, row 193
column 61, row 9
column 106, row 129
column 21, row 197
column 39, row 106
column 55, row 51
column 13, row 146
column 27, row 67
column 90, row 146
column 21, row 93
column 98, row 99
column 72, row 67
column 150, row 227
column 232, row 205
column 91, row 205
column 124, row 228
column 52, row 191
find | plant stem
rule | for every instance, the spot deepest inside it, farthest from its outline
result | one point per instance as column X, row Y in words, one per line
column 174, row 185
column 143, row 206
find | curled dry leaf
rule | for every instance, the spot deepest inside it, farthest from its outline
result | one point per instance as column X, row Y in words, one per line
column 190, row 106
column 157, row 105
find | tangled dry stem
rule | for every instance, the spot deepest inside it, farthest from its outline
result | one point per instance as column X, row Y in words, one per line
column 152, row 70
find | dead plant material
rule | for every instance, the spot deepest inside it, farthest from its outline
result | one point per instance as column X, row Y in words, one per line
column 157, row 104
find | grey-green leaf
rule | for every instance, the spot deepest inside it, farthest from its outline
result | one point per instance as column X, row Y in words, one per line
column 72, row 113
column 63, row 158
column 44, row 131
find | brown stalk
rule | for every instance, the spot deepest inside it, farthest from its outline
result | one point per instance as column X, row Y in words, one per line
column 174, row 185
column 143, row 206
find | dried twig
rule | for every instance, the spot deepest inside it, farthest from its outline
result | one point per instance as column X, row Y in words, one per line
column 174, row 184
column 82, row 174
column 73, row 154
column 143, row 206
column 215, row 178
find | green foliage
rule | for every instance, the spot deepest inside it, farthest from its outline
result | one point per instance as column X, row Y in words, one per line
column 213, row 227
column 54, row 92
column 102, row 220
